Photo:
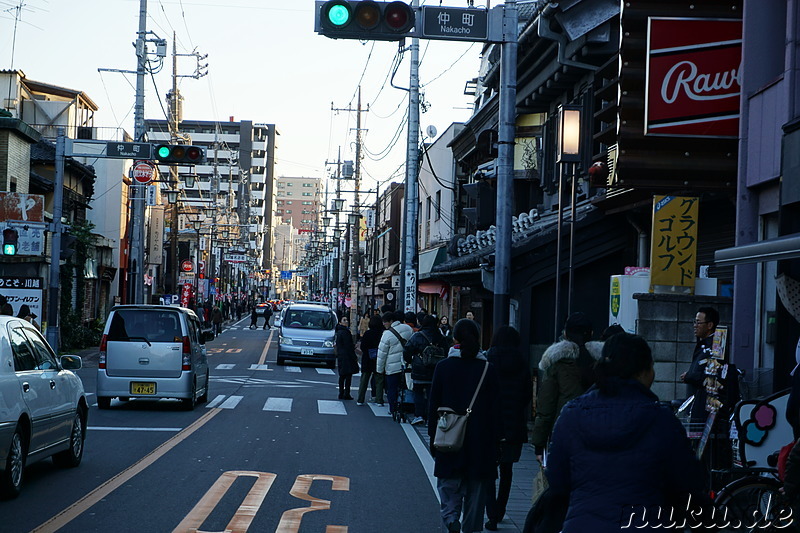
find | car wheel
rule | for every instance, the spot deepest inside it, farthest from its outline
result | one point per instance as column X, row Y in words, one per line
column 189, row 403
column 11, row 477
column 204, row 397
column 281, row 361
column 71, row 457
column 104, row 402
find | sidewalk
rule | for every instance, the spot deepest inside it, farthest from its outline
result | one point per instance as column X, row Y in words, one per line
column 519, row 502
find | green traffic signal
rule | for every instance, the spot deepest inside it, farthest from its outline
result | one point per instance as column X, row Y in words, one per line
column 179, row 154
column 9, row 249
column 338, row 14
column 163, row 152
column 10, row 241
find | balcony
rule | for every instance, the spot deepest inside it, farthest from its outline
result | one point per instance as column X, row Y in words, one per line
column 259, row 162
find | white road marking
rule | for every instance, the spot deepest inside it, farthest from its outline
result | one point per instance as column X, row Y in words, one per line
column 292, row 369
column 259, row 367
column 231, row 402
column 330, row 407
column 378, row 410
column 325, row 371
column 225, row 366
column 110, row 428
column 213, row 403
column 283, row 405
column 423, row 454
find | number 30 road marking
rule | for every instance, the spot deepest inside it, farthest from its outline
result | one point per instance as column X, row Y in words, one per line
column 243, row 518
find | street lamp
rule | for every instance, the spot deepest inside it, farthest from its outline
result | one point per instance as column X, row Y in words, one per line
column 172, row 196
column 568, row 155
column 189, row 180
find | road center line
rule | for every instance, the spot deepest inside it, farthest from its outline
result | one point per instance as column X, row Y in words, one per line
column 76, row 509
column 266, row 348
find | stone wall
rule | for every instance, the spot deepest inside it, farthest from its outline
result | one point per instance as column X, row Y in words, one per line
column 665, row 321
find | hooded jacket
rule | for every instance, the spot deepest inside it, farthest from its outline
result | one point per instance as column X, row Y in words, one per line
column 613, row 454
column 565, row 373
column 390, row 349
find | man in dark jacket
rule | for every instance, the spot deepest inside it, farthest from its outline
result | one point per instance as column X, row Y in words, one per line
column 422, row 370
column 705, row 323
column 346, row 357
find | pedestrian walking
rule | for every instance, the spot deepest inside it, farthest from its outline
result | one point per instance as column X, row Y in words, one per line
column 253, row 319
column 369, row 357
column 390, row 356
column 461, row 476
column 267, row 315
column 25, row 314
column 346, row 359
column 216, row 320
column 423, row 351
column 619, row 456
column 516, row 392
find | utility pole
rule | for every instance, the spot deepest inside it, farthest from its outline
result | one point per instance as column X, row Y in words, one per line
column 55, row 243
column 175, row 107
column 136, row 193
column 408, row 279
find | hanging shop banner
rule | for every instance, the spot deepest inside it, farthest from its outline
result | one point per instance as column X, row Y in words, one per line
column 156, row 235
column 693, row 77
column 18, row 291
column 674, row 242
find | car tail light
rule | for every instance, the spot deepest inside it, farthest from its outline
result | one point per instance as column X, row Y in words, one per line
column 101, row 363
column 187, row 354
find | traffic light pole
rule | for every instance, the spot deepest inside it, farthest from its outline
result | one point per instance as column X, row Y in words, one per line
column 136, row 192
column 505, row 168
column 55, row 243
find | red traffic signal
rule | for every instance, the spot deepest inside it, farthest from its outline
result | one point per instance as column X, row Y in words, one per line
column 365, row 20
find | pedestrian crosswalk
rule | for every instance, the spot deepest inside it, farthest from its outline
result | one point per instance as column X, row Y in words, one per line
column 286, row 405
column 271, row 368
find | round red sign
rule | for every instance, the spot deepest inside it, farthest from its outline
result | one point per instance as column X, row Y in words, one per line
column 186, row 266
column 143, row 172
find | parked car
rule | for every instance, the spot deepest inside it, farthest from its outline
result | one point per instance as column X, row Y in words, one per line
column 152, row 351
column 307, row 334
column 43, row 407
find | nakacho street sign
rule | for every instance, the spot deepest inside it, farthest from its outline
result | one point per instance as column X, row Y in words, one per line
column 455, row 24
column 129, row 150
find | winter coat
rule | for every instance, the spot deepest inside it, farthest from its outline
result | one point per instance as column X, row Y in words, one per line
column 565, row 374
column 370, row 340
column 695, row 377
column 390, row 350
column 346, row 358
column 611, row 452
column 454, row 382
column 516, row 391
column 363, row 325
column 412, row 353
column 216, row 316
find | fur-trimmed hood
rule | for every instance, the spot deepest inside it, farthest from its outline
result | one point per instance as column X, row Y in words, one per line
column 564, row 350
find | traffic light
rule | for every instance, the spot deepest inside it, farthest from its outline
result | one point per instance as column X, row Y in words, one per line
column 179, row 154
column 67, row 246
column 365, row 20
column 10, row 241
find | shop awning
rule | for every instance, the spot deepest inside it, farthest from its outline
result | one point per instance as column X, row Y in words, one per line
column 432, row 287
column 429, row 259
column 767, row 250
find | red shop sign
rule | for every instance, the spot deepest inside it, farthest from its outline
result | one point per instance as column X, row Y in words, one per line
column 693, row 70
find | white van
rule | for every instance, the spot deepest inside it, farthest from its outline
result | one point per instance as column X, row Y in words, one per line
column 152, row 351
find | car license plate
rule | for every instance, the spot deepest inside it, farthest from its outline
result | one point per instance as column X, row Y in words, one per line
column 143, row 388
column 306, row 351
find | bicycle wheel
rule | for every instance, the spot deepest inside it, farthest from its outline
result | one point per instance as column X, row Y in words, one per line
column 751, row 504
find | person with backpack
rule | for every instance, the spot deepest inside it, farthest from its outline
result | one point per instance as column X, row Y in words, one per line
column 390, row 355
column 423, row 351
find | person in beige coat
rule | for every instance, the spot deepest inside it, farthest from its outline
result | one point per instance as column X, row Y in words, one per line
column 390, row 355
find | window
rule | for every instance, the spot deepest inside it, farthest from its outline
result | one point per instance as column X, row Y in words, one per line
column 290, row 184
column 289, row 193
column 279, row 211
column 45, row 359
column 23, row 353
column 308, row 203
column 438, row 205
column 289, row 202
column 279, row 202
column 288, row 211
column 306, row 194
column 308, row 185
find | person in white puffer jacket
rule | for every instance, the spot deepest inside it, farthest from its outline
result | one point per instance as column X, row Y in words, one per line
column 390, row 355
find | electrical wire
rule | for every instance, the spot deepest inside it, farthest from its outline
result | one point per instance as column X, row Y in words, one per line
column 445, row 71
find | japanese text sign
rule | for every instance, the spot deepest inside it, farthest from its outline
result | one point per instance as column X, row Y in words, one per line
column 674, row 241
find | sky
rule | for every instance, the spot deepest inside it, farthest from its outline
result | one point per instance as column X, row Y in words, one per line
column 265, row 64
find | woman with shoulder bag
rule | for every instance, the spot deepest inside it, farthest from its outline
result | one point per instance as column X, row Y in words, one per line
column 465, row 378
column 369, row 354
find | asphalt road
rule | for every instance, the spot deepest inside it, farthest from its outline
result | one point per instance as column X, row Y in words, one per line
column 273, row 450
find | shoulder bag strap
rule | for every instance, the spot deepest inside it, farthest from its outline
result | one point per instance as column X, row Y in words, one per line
column 478, row 388
column 430, row 341
column 399, row 337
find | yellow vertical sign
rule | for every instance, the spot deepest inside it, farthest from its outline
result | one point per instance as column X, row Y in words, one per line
column 673, row 246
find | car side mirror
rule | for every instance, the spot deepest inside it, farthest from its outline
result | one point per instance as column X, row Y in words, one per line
column 71, row 362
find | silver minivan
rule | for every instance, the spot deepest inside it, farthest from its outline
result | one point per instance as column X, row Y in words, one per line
column 307, row 334
column 152, row 351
